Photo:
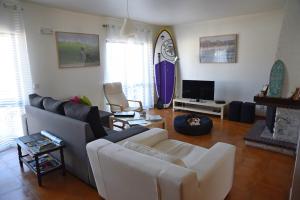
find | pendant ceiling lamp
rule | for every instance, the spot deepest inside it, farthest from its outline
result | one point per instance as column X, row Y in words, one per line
column 127, row 29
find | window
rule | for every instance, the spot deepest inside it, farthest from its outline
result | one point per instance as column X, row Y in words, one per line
column 15, row 78
column 130, row 63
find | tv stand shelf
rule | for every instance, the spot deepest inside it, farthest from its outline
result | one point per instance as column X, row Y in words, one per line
column 204, row 106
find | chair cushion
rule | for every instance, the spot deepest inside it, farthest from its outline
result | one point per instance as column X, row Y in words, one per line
column 53, row 105
column 89, row 114
column 36, row 101
column 153, row 152
column 114, row 95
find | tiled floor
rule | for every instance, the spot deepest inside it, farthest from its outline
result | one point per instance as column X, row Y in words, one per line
column 259, row 174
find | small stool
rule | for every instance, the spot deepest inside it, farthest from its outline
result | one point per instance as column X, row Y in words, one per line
column 234, row 113
column 181, row 125
column 248, row 112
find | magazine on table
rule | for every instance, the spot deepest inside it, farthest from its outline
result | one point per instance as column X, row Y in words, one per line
column 137, row 122
column 41, row 142
column 46, row 163
column 153, row 118
column 124, row 114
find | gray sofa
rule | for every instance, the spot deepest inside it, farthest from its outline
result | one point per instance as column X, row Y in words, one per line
column 76, row 134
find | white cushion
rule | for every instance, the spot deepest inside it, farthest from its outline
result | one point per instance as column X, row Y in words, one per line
column 188, row 153
column 153, row 152
column 148, row 138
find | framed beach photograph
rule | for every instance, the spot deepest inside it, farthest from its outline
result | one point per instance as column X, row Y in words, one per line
column 218, row 49
column 77, row 49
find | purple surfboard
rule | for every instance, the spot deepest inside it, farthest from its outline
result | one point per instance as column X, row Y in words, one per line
column 164, row 68
column 165, row 83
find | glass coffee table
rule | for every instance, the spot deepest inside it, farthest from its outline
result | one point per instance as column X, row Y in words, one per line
column 149, row 121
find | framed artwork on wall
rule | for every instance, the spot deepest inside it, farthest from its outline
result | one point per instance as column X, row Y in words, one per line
column 218, row 49
column 77, row 49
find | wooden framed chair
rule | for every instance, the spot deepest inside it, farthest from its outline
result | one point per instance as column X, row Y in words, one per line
column 117, row 99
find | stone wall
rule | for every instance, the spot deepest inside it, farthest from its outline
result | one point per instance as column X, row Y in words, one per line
column 287, row 123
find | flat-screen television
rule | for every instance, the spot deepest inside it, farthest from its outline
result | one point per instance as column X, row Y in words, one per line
column 198, row 89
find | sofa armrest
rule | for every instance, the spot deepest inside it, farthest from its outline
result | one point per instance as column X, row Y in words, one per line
column 216, row 170
column 178, row 183
column 92, row 152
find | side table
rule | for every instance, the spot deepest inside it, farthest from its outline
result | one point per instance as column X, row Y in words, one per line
column 41, row 162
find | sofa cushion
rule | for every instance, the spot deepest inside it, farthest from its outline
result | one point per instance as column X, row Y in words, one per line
column 89, row 114
column 188, row 153
column 53, row 105
column 36, row 100
column 148, row 138
column 153, row 152
column 117, row 136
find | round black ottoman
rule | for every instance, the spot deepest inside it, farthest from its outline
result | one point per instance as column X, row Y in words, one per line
column 181, row 125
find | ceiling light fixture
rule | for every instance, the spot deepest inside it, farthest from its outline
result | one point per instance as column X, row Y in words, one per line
column 127, row 28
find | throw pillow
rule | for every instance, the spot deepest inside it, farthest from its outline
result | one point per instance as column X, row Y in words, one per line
column 153, row 152
column 75, row 99
column 89, row 114
column 85, row 100
column 36, row 100
column 53, row 105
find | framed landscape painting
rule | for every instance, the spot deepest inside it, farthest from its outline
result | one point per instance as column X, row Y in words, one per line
column 77, row 49
column 218, row 49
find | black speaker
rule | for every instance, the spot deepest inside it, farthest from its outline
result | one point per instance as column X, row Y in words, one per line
column 235, row 111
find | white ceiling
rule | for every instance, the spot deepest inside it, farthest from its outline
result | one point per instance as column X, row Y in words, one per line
column 167, row 12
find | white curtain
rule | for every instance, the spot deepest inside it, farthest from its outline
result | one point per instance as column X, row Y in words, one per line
column 129, row 61
column 15, row 78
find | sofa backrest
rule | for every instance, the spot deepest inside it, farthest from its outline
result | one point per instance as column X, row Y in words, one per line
column 76, row 134
column 121, row 173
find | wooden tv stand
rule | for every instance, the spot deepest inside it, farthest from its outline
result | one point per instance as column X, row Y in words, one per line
column 203, row 106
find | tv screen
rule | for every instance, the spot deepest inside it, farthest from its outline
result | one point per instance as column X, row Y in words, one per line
column 198, row 89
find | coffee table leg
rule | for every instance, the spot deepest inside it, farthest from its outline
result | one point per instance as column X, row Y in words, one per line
column 20, row 156
column 62, row 159
column 38, row 170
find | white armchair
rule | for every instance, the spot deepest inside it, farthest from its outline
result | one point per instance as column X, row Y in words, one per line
column 117, row 99
column 122, row 173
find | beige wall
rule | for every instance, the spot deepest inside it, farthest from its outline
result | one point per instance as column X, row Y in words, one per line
column 63, row 83
column 289, row 52
column 289, row 46
column 258, row 37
